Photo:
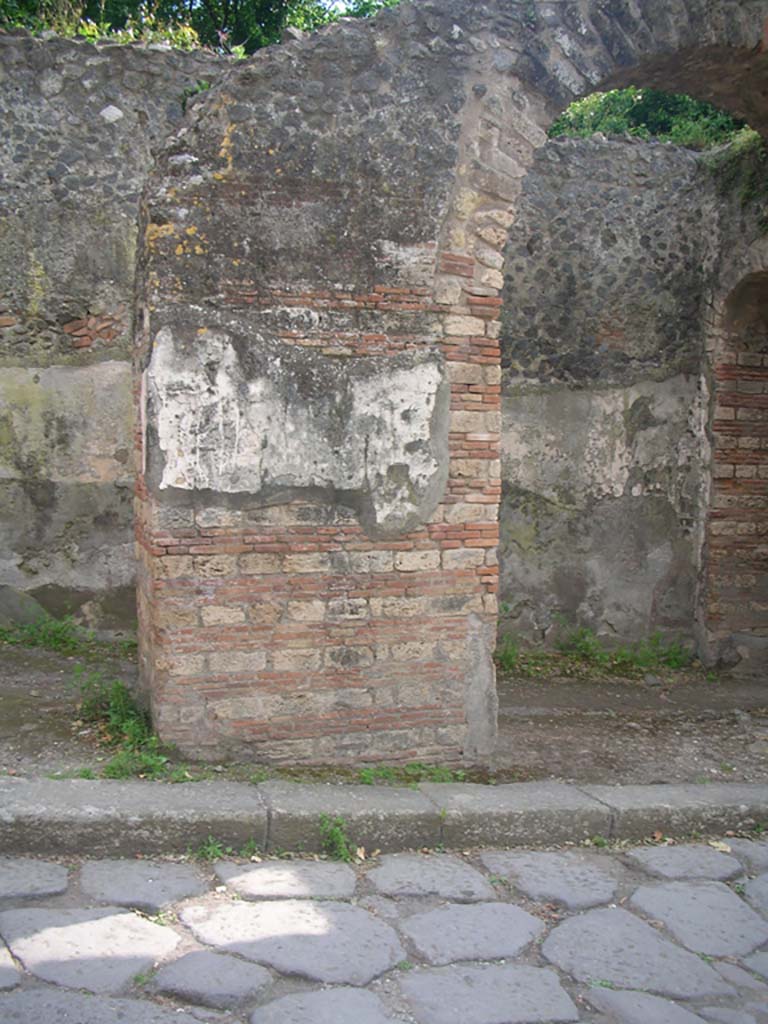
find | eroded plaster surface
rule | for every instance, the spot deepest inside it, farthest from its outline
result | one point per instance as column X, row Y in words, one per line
column 271, row 421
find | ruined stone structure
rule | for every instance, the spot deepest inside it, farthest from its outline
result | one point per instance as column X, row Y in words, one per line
column 321, row 269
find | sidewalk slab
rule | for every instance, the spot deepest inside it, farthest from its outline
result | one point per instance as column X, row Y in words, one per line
column 377, row 817
column 521, row 814
column 107, row 818
column 679, row 810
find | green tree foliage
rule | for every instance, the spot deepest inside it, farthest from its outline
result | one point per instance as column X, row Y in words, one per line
column 648, row 113
column 240, row 26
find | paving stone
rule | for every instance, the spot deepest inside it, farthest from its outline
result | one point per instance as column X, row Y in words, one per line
column 737, row 976
column 725, row 1015
column 412, row 874
column 753, row 853
column 211, row 979
column 496, row 994
column 640, row 1008
column 331, row 1006
column 688, row 861
column 758, row 963
column 292, row 879
column 611, row 945
column 707, row 917
column 144, row 884
column 330, row 942
column 9, row 973
column 98, row 950
column 573, row 879
column 756, row 892
column 21, row 878
column 52, row 1006
column 482, row 931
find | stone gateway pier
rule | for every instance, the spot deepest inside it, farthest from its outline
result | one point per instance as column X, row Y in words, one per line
column 317, row 344
column 325, row 238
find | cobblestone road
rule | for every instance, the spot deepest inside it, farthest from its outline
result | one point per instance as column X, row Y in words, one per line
column 650, row 935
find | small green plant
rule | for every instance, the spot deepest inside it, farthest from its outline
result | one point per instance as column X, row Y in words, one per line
column 739, row 888
column 335, row 842
column 508, row 654
column 250, row 849
column 143, row 978
column 405, row 965
column 259, row 775
column 601, row 983
column 599, row 841
column 584, row 643
column 200, row 86
column 62, row 635
column 382, row 773
column 212, row 849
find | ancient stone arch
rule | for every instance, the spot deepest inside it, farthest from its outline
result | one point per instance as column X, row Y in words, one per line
column 317, row 345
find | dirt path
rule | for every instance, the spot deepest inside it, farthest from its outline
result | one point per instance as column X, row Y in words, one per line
column 608, row 731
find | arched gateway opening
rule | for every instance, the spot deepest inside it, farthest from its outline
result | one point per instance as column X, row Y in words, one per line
column 317, row 340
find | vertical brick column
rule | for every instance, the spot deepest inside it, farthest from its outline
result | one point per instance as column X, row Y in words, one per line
column 736, row 590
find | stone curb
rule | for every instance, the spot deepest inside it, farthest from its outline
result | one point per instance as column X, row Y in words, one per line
column 104, row 818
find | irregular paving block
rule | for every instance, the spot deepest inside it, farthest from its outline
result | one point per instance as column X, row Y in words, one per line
column 737, row 976
column 689, row 861
column 640, row 1008
column 21, row 878
column 758, row 963
column 211, row 979
column 331, row 1006
column 41, row 1006
column 98, row 950
column 144, row 884
column 9, row 973
column 506, row 994
column 482, row 931
column 297, row 879
column 573, row 879
column 756, row 891
column 707, row 917
column 725, row 1015
column 329, row 942
column 614, row 946
column 411, row 874
column 752, row 852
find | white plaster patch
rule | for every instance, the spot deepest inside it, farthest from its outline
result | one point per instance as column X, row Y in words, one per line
column 375, row 428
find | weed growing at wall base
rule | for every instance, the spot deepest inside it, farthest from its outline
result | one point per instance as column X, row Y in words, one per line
column 335, row 841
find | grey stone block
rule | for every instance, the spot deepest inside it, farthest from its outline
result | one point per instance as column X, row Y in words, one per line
column 707, row 917
column 18, row 608
column 41, row 1006
column 679, row 810
column 527, row 813
column 511, row 993
column 110, row 818
column 23, row 878
column 97, row 950
column 727, row 1015
column 9, row 972
column 688, row 861
column 574, row 879
column 758, row 963
column 329, row 942
column 640, row 1008
column 738, row 977
column 288, row 879
column 756, row 892
column 376, row 817
column 211, row 979
column 440, row 874
column 751, row 852
column 144, row 884
column 484, row 931
column 331, row 1006
column 614, row 947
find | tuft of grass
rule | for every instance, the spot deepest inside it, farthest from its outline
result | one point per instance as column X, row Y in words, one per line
column 508, row 654
column 653, row 653
column 211, row 849
column 335, row 841
column 409, row 774
column 65, row 636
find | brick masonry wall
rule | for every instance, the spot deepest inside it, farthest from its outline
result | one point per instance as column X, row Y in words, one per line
column 736, row 589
